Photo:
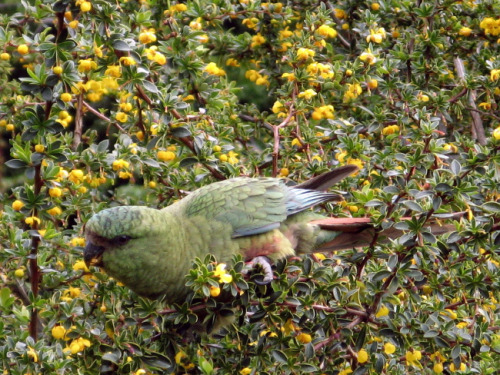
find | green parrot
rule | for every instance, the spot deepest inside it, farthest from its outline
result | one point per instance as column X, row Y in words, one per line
column 151, row 251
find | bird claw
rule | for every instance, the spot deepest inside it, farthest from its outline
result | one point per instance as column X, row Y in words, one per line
column 265, row 264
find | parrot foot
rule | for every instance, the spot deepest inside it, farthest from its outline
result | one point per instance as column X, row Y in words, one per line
column 265, row 264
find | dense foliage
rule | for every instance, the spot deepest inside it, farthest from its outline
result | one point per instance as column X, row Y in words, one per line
column 114, row 102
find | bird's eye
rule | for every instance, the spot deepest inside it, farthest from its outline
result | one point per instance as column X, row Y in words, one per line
column 121, row 240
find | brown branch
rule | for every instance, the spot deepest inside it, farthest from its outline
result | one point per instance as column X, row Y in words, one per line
column 477, row 128
column 78, row 122
column 102, row 117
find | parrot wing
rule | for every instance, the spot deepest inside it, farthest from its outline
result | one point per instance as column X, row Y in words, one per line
column 252, row 205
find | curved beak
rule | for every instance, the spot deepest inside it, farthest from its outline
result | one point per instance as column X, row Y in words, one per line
column 92, row 255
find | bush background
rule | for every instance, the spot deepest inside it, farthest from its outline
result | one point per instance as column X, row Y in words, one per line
column 107, row 103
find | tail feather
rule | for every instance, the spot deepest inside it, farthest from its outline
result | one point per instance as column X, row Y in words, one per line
column 328, row 179
column 360, row 232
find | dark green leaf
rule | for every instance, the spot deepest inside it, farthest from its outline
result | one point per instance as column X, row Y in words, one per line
column 187, row 162
column 279, row 356
column 121, row 45
column 180, row 132
column 15, row 163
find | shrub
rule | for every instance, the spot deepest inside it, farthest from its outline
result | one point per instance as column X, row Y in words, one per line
column 106, row 103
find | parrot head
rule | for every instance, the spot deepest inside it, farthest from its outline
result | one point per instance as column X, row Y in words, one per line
column 112, row 229
column 121, row 240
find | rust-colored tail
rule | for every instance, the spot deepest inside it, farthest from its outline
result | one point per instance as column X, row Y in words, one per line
column 359, row 232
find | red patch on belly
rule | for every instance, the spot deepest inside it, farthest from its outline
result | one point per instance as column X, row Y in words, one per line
column 262, row 248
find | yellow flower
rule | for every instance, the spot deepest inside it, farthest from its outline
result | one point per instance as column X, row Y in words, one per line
column 127, row 61
column 54, row 211
column 19, row 273
column 353, row 91
column 32, row 220
column 55, row 192
column 278, row 107
column 346, row 371
column 368, row 57
column 362, row 356
column 485, row 105
column 340, row 14
column 438, row 368
column 220, row 272
column 124, row 175
column 257, row 40
column 196, row 24
column 357, row 162
column 391, row 129
column 494, row 74
column 76, row 176
column 376, row 35
column 120, row 164
column 66, row 97
column 382, row 311
column 290, row 77
column 181, row 359
column 31, row 353
column 58, row 332
column 251, row 23
column 372, row 83
column 461, row 325
column 389, row 348
column 77, row 241
column 322, row 112
column 465, row 31
column 490, row 26
column 39, row 148
column 412, row 357
column 246, row 371
column 375, row 6
column 85, row 6
column 326, row 31
column 450, row 147
column 23, row 49
column 308, row 94
column 165, row 155
column 284, row 172
column 17, row 205
column 288, row 327
column 323, row 70
column 80, row 266
column 214, row 291
column 450, row 313
column 86, row 65
column 304, row 338
column 305, row 53
column 214, row 70
column 462, row 367
column 77, row 345
column 496, row 133
column 4, row 56
column 232, row 62
column 113, row 71
column 147, row 36
column 121, row 116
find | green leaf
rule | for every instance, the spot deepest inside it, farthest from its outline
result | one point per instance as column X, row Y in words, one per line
column 187, row 162
column 15, row 163
column 279, row 356
column 150, row 86
column 180, row 132
column 121, row 45
column 205, row 366
column 493, row 207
